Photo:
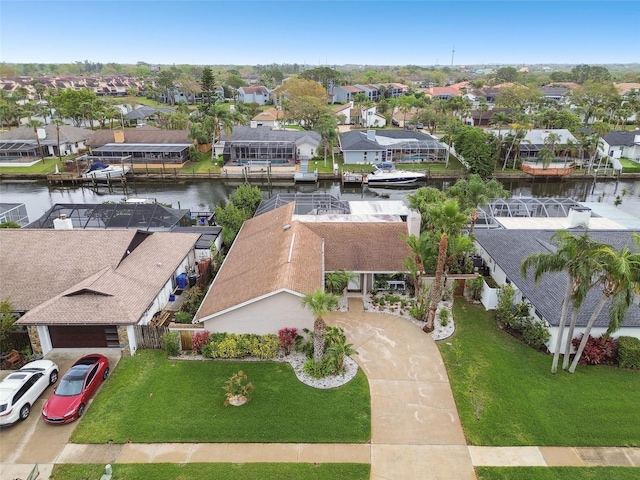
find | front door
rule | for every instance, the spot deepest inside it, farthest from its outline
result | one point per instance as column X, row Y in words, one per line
column 354, row 284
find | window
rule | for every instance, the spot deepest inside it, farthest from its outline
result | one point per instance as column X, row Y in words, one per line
column 92, row 374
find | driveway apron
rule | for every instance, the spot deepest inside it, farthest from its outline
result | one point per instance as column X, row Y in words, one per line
column 415, row 428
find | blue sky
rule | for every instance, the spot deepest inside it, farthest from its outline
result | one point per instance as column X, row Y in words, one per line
column 330, row 32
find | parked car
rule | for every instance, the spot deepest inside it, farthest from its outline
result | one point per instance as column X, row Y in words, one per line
column 22, row 388
column 395, row 122
column 419, row 126
column 69, row 401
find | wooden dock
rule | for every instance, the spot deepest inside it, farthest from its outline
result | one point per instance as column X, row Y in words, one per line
column 353, row 179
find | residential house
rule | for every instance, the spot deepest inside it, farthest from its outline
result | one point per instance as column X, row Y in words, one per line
column 367, row 117
column 343, row 113
column 145, row 145
column 345, row 93
column 553, row 92
column 503, row 252
column 534, row 140
column 372, row 92
column 90, row 288
column 620, row 144
column 441, row 93
column 144, row 113
column 278, row 257
column 272, row 118
column 380, row 146
column 21, row 144
column 254, row 145
column 259, row 95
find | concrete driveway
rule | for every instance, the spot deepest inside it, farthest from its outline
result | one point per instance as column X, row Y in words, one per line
column 34, row 441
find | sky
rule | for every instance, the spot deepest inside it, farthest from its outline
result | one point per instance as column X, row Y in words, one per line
column 329, row 32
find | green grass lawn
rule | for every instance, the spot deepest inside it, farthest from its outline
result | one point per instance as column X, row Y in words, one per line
column 517, row 400
column 556, row 473
column 40, row 168
column 216, row 471
column 151, row 399
column 629, row 167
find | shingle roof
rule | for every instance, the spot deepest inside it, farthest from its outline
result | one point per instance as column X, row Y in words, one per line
column 357, row 139
column 266, row 134
column 138, row 135
column 619, row 138
column 266, row 257
column 67, row 134
column 145, row 111
column 86, row 276
column 253, row 90
column 363, row 247
column 509, row 247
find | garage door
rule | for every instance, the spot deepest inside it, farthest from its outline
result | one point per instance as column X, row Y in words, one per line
column 78, row 336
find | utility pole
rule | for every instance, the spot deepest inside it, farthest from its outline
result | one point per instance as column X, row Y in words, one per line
column 452, row 53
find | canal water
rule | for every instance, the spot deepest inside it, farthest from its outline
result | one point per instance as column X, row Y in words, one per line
column 204, row 195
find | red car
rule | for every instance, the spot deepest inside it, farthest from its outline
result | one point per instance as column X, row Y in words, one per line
column 79, row 384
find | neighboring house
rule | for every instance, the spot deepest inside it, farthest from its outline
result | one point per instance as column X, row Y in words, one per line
column 345, row 93
column 534, row 140
column 367, row 117
column 190, row 99
column 442, row 93
column 380, row 146
column 278, row 257
column 256, row 145
column 259, row 95
column 14, row 212
column 21, row 143
column 373, row 92
column 620, row 144
column 503, row 252
column 144, row 113
column 145, row 145
column 90, row 288
column 269, row 118
column 483, row 119
column 557, row 93
column 625, row 89
column 488, row 93
column 101, row 85
column 343, row 113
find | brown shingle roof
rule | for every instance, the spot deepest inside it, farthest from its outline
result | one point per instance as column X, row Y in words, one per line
column 86, row 276
column 266, row 257
column 139, row 135
column 363, row 247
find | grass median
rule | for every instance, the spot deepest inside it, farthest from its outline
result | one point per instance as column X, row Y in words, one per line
column 506, row 396
column 555, row 473
column 226, row 471
column 151, row 399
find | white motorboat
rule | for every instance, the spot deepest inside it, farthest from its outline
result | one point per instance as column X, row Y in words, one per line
column 386, row 174
column 102, row 171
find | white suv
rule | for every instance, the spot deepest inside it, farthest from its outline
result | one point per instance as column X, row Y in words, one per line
column 20, row 389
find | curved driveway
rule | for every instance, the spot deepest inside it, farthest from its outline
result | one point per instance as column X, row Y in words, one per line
column 415, row 429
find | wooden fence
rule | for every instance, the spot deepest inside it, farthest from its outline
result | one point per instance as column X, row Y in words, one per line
column 150, row 337
column 17, row 340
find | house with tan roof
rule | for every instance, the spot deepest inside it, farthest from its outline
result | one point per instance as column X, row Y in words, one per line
column 281, row 255
column 271, row 117
column 90, row 288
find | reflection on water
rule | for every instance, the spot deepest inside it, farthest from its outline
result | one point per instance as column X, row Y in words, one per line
column 206, row 194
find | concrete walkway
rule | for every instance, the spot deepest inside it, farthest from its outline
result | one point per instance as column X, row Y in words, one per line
column 416, row 432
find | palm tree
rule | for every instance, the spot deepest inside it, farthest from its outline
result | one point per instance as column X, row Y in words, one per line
column 474, row 193
column 446, row 219
column 221, row 119
column 574, row 257
column 35, row 124
column 327, row 127
column 58, row 122
column 500, row 119
column 319, row 303
column 422, row 249
column 620, row 278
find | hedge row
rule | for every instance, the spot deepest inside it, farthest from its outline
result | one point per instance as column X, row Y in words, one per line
column 629, row 352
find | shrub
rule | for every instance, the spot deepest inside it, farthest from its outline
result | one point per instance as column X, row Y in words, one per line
column 199, row 340
column 263, row 347
column 171, row 343
column 183, row 317
column 230, row 348
column 628, row 352
column 287, row 338
column 474, row 286
column 317, row 370
column 596, row 350
column 192, row 301
column 444, row 317
column 237, row 384
column 535, row 334
column 505, row 313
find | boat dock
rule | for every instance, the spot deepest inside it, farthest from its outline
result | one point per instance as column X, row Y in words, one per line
column 353, row 179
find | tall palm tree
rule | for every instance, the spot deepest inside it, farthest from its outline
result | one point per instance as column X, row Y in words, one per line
column 35, row 125
column 58, row 122
column 446, row 219
column 327, row 127
column 422, row 249
column 319, row 303
column 219, row 119
column 573, row 256
column 620, row 278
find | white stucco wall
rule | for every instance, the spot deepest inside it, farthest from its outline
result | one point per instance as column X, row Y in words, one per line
column 595, row 332
column 267, row 315
column 307, row 149
column 355, row 157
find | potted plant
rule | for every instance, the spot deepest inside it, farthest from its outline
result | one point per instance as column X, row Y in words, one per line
column 238, row 389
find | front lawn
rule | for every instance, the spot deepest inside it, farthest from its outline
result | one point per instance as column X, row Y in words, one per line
column 151, row 399
column 554, row 473
column 506, row 396
column 226, row 471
